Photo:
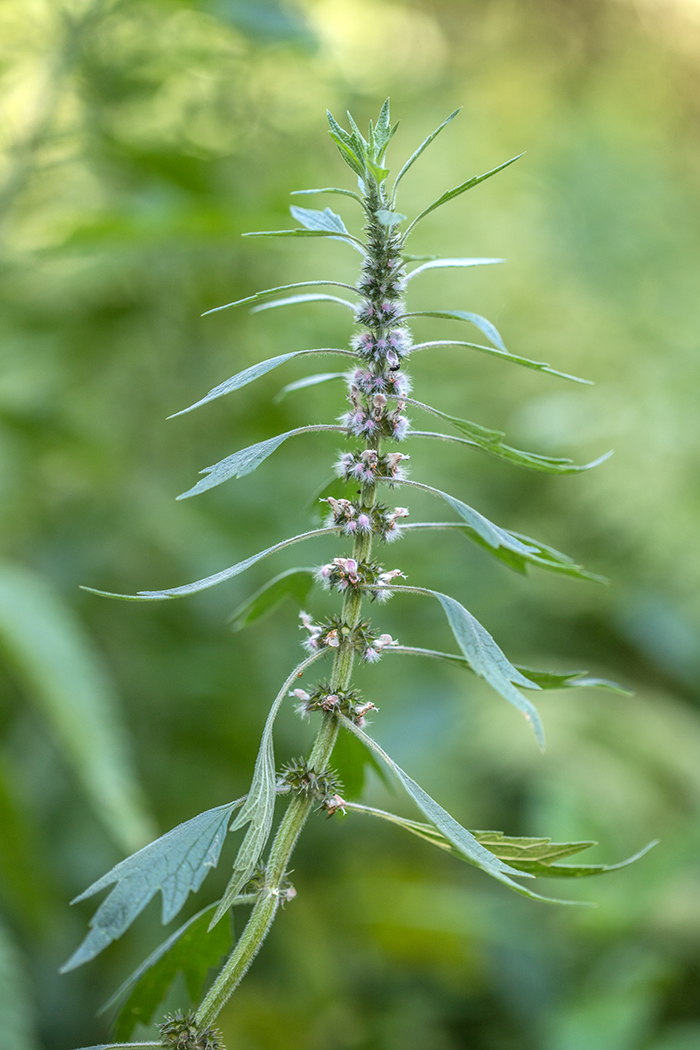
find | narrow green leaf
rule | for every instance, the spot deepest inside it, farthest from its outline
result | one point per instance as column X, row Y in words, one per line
column 307, row 381
column 175, row 864
column 423, row 146
column 191, row 950
column 462, row 188
column 485, row 326
column 348, row 238
column 294, row 583
column 376, row 170
column 578, row 871
column 310, row 297
column 259, row 808
column 313, row 219
column 280, row 288
column 329, row 189
column 440, row 264
column 525, row 362
column 66, row 679
column 218, row 577
column 249, row 459
column 484, row 436
column 462, row 841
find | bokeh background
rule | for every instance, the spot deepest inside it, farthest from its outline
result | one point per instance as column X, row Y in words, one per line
column 139, row 139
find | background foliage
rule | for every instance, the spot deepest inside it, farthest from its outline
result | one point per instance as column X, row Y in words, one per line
column 139, row 139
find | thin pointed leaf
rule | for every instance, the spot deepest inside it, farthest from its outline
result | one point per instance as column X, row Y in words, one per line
column 302, row 384
column 484, row 325
column 218, row 577
column 271, row 291
column 248, row 375
column 190, row 950
column 65, row 678
column 312, row 219
column 329, row 189
column 423, row 146
column 440, row 264
column 525, row 362
column 484, row 436
column 462, row 188
column 466, row 845
column 578, row 871
column 249, row 459
column 309, row 297
column 175, row 864
column 348, row 238
column 259, row 808
column 294, row 583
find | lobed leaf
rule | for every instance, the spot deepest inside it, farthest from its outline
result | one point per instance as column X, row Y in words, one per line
column 525, row 362
column 218, row 577
column 176, row 864
column 249, row 459
column 313, row 297
column 294, row 583
column 423, row 146
column 462, row 188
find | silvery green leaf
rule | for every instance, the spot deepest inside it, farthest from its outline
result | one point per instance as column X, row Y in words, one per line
column 484, row 436
column 328, row 189
column 536, row 679
column 389, row 218
column 175, row 864
column 318, row 220
column 525, row 362
column 485, row 326
column 462, row 188
column 65, row 678
column 348, row 237
column 349, row 156
column 462, row 841
column 424, row 145
column 302, row 384
column 271, row 291
column 249, row 459
column 309, row 297
column 259, row 808
column 218, row 577
column 294, row 583
column 440, row 264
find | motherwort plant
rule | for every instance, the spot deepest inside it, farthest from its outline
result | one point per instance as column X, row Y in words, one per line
column 375, row 431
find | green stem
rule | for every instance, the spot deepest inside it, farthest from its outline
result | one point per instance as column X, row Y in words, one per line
column 298, row 811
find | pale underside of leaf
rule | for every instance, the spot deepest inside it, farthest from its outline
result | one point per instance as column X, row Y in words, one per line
column 218, row 577
column 347, row 238
column 272, row 291
column 329, row 189
column 307, row 381
column 310, row 297
column 175, row 864
column 443, row 264
column 249, row 459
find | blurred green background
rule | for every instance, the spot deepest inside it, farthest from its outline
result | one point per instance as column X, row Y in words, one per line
column 139, row 139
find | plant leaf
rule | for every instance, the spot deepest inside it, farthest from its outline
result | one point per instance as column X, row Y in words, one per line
column 312, row 297
column 348, row 238
column 294, row 583
column 218, row 577
column 463, row 841
column 389, row 218
column 329, row 189
column 423, row 146
column 302, row 384
column 65, row 678
column 318, row 220
column 539, row 366
column 258, row 810
column 271, row 291
column 462, row 188
column 440, row 264
column 249, row 459
column 176, row 864
column 484, row 326
column 191, row 950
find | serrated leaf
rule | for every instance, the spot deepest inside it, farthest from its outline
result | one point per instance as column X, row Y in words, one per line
column 176, row 864
column 484, row 325
column 312, row 219
column 65, row 678
column 307, row 381
column 462, row 188
column 248, row 375
column 309, row 297
column 525, row 362
column 191, row 950
column 440, row 264
column 249, row 459
column 423, row 146
column 294, row 583
column 464, row 842
column 218, row 577
column 258, row 810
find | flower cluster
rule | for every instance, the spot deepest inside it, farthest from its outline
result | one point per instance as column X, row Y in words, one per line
column 369, row 416
column 384, row 349
column 297, row 776
column 370, row 383
column 342, row 573
column 323, row 698
column 183, row 1032
column 369, row 466
column 355, row 519
column 362, row 638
